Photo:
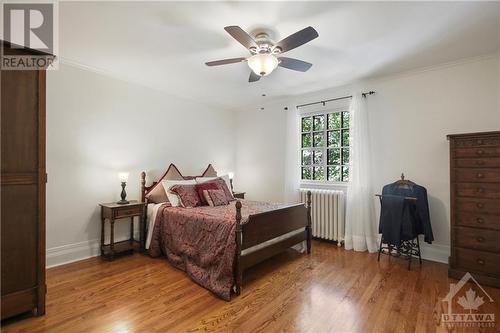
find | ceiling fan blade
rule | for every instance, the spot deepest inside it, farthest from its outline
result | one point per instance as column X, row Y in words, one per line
column 294, row 64
column 253, row 77
column 224, row 61
column 297, row 39
column 241, row 36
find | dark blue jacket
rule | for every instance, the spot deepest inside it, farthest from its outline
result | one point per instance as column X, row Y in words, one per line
column 402, row 219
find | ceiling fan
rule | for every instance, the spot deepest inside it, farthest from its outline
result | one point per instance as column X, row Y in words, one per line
column 266, row 54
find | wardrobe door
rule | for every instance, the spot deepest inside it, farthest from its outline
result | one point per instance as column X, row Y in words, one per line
column 22, row 191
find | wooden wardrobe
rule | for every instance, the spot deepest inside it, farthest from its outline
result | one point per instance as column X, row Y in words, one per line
column 475, row 206
column 23, row 181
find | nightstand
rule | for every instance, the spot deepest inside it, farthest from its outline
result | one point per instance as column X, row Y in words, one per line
column 239, row 195
column 113, row 211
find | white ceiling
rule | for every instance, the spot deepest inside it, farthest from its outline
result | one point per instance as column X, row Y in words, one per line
column 164, row 44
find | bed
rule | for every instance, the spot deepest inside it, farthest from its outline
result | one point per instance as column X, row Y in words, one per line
column 215, row 245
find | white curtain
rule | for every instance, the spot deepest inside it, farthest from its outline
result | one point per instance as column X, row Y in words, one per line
column 360, row 230
column 292, row 156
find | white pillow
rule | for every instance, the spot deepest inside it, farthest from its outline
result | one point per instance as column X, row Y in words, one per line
column 173, row 197
column 206, row 179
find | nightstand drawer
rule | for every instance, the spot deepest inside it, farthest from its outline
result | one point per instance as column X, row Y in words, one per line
column 127, row 211
column 239, row 195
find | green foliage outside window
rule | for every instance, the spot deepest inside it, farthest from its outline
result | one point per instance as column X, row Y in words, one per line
column 325, row 145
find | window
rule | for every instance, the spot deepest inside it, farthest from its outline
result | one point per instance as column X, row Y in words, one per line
column 325, row 147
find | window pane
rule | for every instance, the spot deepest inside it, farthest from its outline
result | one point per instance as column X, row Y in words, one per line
column 306, row 157
column 319, row 173
column 333, row 138
column 306, row 173
column 345, row 155
column 318, row 139
column 334, row 156
column 334, row 173
column 306, row 124
column 334, row 120
column 345, row 138
column 345, row 119
column 345, row 174
column 319, row 123
column 318, row 157
column 306, row 140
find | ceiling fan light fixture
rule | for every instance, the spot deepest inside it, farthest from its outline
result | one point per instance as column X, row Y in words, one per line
column 263, row 64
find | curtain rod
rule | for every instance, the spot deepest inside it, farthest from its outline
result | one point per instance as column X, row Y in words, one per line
column 334, row 99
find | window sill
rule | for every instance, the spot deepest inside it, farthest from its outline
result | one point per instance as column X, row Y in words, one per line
column 324, row 185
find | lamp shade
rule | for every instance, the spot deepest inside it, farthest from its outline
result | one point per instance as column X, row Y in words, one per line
column 263, row 64
column 123, row 176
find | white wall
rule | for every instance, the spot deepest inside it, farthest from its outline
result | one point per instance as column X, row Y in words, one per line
column 98, row 126
column 260, row 153
column 410, row 116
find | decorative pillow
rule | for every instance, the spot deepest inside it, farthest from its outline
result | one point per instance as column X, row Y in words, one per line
column 215, row 197
column 209, row 172
column 187, row 194
column 206, row 186
column 222, row 184
column 173, row 197
column 226, row 180
column 157, row 193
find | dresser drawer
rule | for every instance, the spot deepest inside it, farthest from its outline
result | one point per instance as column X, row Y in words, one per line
column 127, row 211
column 477, row 142
column 477, row 175
column 477, row 220
column 478, row 239
column 489, row 206
column 478, row 190
column 477, row 162
column 476, row 152
column 477, row 261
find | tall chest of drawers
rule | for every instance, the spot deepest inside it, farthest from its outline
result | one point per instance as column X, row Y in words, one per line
column 475, row 206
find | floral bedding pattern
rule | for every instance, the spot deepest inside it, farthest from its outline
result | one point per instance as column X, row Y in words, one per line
column 201, row 241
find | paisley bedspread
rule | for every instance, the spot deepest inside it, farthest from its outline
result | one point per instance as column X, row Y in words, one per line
column 201, row 241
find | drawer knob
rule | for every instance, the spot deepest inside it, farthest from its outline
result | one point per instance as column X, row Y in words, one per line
column 480, row 190
column 479, row 175
column 480, row 220
column 480, row 162
column 480, row 239
column 480, row 261
column 479, row 142
column 479, row 205
column 480, row 152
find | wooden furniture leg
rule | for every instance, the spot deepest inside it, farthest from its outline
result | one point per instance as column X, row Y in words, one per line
column 132, row 229
column 112, row 237
column 103, row 222
column 238, row 269
column 142, row 233
column 308, row 228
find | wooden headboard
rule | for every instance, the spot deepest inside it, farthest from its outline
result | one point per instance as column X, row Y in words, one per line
column 144, row 188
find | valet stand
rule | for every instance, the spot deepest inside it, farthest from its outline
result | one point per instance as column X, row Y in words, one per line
column 406, row 249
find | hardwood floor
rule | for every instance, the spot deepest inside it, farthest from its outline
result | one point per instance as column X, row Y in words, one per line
column 331, row 290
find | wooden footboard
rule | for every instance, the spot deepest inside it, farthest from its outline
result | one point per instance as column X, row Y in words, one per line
column 266, row 226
